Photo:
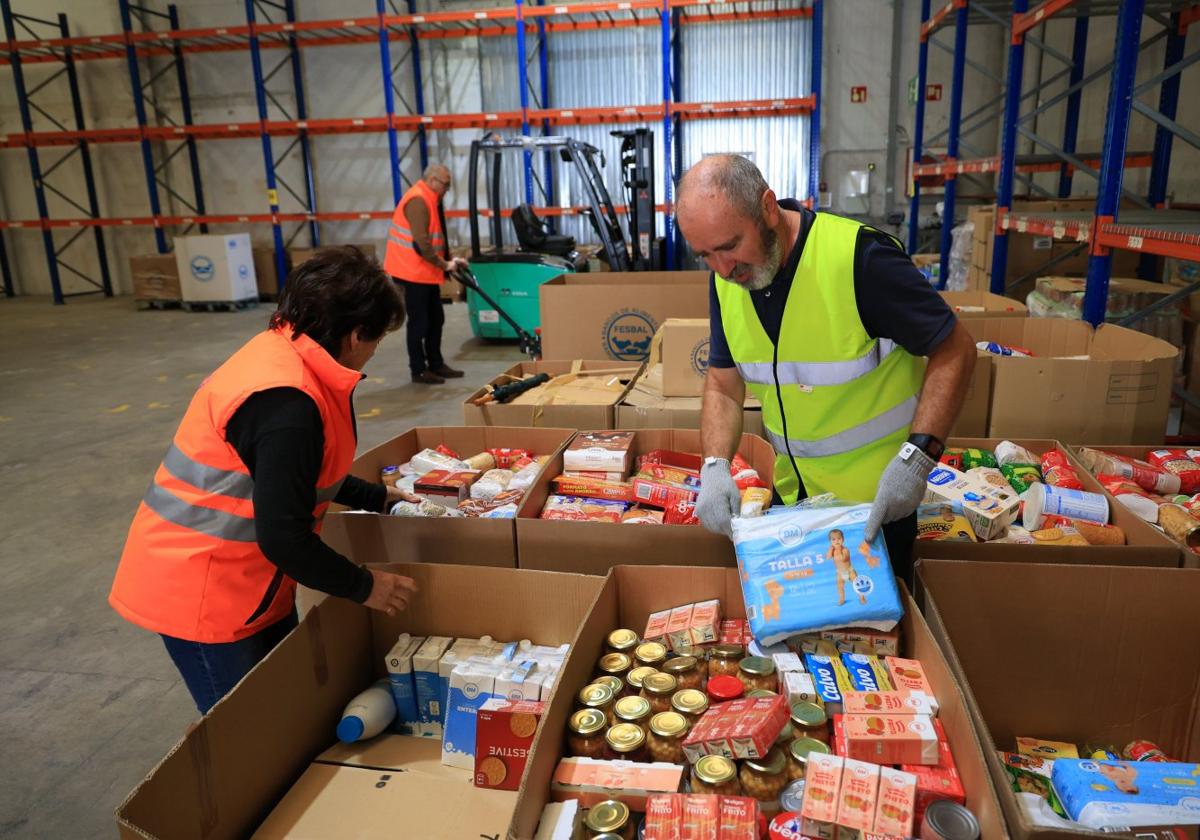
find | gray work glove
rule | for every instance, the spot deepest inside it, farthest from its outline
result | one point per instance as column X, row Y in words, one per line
column 719, row 500
column 901, row 488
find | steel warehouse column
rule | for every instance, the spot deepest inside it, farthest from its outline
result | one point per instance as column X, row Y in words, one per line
column 544, row 90
column 389, row 101
column 668, row 184
column 1071, row 123
column 139, row 109
column 35, row 168
column 414, row 44
column 310, row 190
column 677, row 123
column 1112, row 160
column 185, row 105
column 1168, row 102
column 814, row 118
column 955, row 125
column 5, row 270
column 1008, row 152
column 523, row 81
column 85, row 157
column 914, row 207
column 260, row 94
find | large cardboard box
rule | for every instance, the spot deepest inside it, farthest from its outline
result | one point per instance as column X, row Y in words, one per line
column 228, row 773
column 984, row 304
column 265, row 273
column 684, row 345
column 217, row 268
column 644, row 407
column 574, row 408
column 1101, row 655
column 609, row 315
column 592, row 548
column 1110, row 384
column 155, row 277
column 977, row 404
column 1146, row 545
column 628, row 597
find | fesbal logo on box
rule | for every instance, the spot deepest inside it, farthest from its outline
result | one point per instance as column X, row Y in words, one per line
column 202, row 268
column 700, row 356
column 627, row 334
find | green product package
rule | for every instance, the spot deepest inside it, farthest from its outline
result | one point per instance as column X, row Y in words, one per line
column 1020, row 476
column 972, row 458
column 1027, row 774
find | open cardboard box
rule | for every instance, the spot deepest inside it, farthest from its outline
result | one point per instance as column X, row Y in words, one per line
column 228, row 774
column 1068, row 653
column 595, row 547
column 628, row 597
column 544, row 410
column 994, row 306
column 1145, row 545
column 644, row 407
column 977, row 405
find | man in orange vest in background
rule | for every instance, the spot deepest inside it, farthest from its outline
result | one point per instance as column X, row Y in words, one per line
column 417, row 260
column 231, row 521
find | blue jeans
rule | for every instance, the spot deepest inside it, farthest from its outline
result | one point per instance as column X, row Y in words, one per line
column 211, row 670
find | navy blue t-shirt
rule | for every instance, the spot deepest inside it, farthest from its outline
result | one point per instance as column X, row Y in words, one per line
column 894, row 298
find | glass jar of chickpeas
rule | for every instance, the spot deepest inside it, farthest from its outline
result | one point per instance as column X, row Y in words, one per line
column 758, row 672
column 610, row 818
column 716, row 774
column 615, row 683
column 650, row 653
column 691, row 703
column 658, row 688
column 765, row 778
column 598, row 696
column 614, row 665
column 622, row 641
column 633, row 710
column 685, row 669
column 625, row 741
column 665, row 741
column 810, row 721
column 760, row 692
column 585, row 733
column 723, row 660
column 786, row 736
column 633, row 680
column 798, row 752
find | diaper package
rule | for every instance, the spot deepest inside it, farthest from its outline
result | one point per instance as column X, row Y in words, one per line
column 1113, row 794
column 807, row 568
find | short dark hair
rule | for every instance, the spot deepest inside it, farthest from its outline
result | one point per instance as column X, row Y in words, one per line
column 335, row 292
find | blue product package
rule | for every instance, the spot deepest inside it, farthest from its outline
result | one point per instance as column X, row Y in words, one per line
column 807, row 568
column 1116, row 794
column 428, row 685
column 829, row 678
column 399, row 664
column 867, row 673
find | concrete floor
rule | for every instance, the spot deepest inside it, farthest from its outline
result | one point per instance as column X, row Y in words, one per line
column 90, row 394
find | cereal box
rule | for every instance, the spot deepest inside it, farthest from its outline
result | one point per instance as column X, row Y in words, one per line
column 867, row 672
column 593, row 488
column 701, row 817
column 1046, row 749
column 897, row 802
column 592, row 780
column 891, row 739
column 504, row 732
column 787, row 663
column 664, row 816
column 599, row 452
column 888, row 703
column 988, row 508
column 738, row 819
column 908, row 674
column 656, row 625
column 822, row 784
column 706, row 622
column 831, row 678
column 857, row 799
column 799, row 687
column 659, row 495
column 940, row 781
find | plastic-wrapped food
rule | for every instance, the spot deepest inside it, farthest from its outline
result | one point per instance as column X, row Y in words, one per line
column 943, row 521
column 428, row 460
column 407, row 483
column 502, row 512
column 491, row 484
column 447, row 451
column 997, row 349
column 1021, row 476
column 1177, row 462
column 523, row 479
column 681, row 513
column 755, row 501
column 505, row 457
column 952, row 457
column 483, row 462
column 478, row 507
column 576, row 509
column 744, row 475
column 1142, row 473
column 422, row 508
column 972, row 458
column 1144, row 505
column 1008, row 452
column 1058, row 472
column 640, row 516
column 961, row 244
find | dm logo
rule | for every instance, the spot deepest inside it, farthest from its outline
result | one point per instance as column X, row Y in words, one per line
column 700, row 356
column 628, row 333
column 202, row 268
column 791, row 535
column 471, row 691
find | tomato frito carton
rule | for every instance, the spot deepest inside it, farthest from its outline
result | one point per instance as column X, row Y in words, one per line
column 897, row 802
column 701, row 817
column 891, row 739
column 822, row 784
column 857, row 799
column 939, row 781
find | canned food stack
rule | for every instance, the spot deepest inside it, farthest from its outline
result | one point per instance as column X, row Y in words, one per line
column 487, row 485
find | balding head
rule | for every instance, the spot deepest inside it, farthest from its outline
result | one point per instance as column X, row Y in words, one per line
column 731, row 180
column 437, row 176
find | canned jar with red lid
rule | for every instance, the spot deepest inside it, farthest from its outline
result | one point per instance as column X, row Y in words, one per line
column 725, row 688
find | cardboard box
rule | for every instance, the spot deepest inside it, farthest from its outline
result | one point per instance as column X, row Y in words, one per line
column 231, row 770
column 1111, row 668
column 631, row 593
column 612, row 315
column 643, row 406
column 684, row 343
column 217, row 268
column 984, row 304
column 976, row 410
column 1108, row 384
column 155, row 277
column 266, row 274
column 589, row 403
column 595, row 547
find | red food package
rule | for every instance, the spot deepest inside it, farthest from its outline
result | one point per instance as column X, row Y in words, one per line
column 447, row 451
column 1058, row 471
column 1177, row 462
column 680, row 513
column 659, row 495
column 664, row 816
column 590, row 488
column 743, row 474
column 667, row 458
column 506, row 457
column 521, row 463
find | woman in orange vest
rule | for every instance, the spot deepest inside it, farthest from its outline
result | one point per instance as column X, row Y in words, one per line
column 231, row 521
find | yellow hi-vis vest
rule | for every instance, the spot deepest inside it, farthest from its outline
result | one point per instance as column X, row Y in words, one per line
column 837, row 404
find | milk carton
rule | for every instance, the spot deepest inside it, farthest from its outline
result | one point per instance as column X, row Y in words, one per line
column 431, row 700
column 459, row 651
column 399, row 664
column 519, row 681
column 989, row 509
column 472, row 683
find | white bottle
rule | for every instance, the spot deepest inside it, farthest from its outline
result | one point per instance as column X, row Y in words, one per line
column 368, row 714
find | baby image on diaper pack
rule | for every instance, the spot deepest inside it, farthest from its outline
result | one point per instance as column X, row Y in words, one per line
column 808, row 568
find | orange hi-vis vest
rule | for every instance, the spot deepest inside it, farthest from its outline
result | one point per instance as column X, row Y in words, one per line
column 192, row 567
column 402, row 259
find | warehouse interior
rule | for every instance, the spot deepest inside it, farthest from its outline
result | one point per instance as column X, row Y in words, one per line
column 1033, row 159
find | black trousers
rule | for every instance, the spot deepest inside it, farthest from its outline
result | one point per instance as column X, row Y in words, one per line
column 423, row 302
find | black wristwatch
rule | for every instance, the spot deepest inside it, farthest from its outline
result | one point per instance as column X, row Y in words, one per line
column 928, row 444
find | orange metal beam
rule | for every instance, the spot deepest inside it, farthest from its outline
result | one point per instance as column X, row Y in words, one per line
column 1022, row 23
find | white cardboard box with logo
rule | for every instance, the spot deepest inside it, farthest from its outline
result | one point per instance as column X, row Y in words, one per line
column 216, row 268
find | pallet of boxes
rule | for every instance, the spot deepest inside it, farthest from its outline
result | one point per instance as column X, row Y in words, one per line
column 155, row 279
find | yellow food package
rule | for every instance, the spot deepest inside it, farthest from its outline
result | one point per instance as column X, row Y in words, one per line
column 1046, row 749
column 943, row 521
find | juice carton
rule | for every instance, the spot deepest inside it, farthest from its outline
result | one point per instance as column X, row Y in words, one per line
column 891, row 739
column 706, row 622
column 867, row 672
column 909, row 675
column 503, row 735
column 399, row 663
column 897, row 802
column 831, row 678
column 431, row 699
column 656, row 625
column 1046, row 749
column 679, row 627
column 472, row 683
column 701, row 817
column 799, row 687
column 787, row 663
column 857, row 799
column 888, row 703
column 823, row 783
column 739, row 818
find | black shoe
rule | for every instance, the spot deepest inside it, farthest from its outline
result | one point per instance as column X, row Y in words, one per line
column 428, row 378
column 448, row 372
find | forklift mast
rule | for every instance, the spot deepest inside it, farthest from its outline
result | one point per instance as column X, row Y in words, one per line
column 637, row 175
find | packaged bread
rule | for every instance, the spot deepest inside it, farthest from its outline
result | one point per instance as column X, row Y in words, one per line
column 491, row 484
column 523, row 478
column 429, row 460
column 577, row 509
column 641, row 516
column 483, row 462
column 1180, row 525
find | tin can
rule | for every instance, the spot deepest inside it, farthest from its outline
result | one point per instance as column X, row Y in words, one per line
column 1144, row 751
column 786, row 826
column 792, row 797
column 946, row 820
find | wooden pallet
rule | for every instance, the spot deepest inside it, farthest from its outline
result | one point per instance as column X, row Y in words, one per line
column 157, row 303
column 218, row 305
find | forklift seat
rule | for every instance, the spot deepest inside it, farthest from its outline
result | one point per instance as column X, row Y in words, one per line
column 534, row 235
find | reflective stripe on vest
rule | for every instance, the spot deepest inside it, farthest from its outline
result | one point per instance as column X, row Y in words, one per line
column 402, row 258
column 881, row 425
column 403, row 237
column 816, row 373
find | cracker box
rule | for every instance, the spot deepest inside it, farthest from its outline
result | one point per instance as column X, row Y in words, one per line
column 1113, row 794
column 503, row 735
column 592, row 780
column 446, row 487
column 679, row 477
column 857, row 799
column 593, row 488
column 888, row 703
column 706, row 622
column 907, row 674
column 679, row 627
column 822, row 784
column 940, row 781
column 399, row 664
column 867, row 672
column 599, row 452
column 897, row 802
column 831, row 678
column 658, row 494
column 1046, row 749
column 798, row 687
column 431, row 696
column 891, row 739
column 989, row 509
column 656, row 625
